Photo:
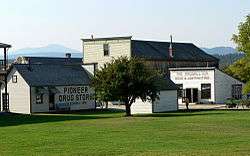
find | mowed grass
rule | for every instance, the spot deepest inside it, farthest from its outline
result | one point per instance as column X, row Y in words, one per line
column 109, row 133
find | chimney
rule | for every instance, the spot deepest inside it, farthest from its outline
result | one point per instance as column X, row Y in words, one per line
column 170, row 49
column 68, row 55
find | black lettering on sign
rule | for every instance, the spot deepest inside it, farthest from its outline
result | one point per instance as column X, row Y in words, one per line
column 60, row 98
column 65, row 90
column 82, row 89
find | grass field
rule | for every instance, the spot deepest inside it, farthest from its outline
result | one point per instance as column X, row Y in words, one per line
column 109, row 133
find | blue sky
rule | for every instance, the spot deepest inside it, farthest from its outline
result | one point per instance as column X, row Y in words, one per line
column 36, row 23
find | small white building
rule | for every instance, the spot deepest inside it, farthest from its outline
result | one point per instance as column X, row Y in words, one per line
column 205, row 85
column 167, row 100
column 46, row 87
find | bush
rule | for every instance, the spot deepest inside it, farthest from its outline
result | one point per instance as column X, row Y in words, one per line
column 245, row 103
column 231, row 103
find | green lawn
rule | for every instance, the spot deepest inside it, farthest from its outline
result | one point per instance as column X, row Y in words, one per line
column 109, row 133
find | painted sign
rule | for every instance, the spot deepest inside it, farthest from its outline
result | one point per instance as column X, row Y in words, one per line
column 74, row 95
column 191, row 75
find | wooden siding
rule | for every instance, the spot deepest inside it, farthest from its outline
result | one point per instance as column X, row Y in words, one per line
column 167, row 102
column 140, row 107
column 223, row 86
column 93, row 51
column 19, row 94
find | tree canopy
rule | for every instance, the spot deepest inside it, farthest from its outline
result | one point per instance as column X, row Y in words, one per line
column 126, row 80
column 242, row 39
column 241, row 68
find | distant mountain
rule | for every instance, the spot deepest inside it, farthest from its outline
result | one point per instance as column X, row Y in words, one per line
column 220, row 50
column 52, row 50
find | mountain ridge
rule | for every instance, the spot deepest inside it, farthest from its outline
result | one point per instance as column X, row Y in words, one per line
column 57, row 50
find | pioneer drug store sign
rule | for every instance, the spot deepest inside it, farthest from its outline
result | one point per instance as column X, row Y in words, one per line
column 74, row 95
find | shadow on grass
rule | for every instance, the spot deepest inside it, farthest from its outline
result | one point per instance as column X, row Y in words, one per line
column 20, row 119
column 182, row 113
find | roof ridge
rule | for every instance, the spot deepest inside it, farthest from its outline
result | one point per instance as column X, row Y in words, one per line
column 162, row 42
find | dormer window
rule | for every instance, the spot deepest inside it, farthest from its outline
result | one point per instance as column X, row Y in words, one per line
column 106, row 49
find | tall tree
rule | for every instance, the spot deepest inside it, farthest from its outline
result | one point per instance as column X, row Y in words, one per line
column 126, row 80
column 241, row 68
column 242, row 39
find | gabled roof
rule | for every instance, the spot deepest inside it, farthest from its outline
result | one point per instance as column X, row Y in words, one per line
column 166, row 84
column 153, row 50
column 53, row 75
column 52, row 60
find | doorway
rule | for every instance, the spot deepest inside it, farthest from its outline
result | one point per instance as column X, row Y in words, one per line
column 195, row 95
column 192, row 94
column 188, row 94
column 52, row 101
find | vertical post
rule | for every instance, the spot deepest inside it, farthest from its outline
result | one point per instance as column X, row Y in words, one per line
column 5, row 102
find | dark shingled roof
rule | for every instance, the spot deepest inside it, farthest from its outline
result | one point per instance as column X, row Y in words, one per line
column 54, row 60
column 166, row 84
column 153, row 50
column 53, row 75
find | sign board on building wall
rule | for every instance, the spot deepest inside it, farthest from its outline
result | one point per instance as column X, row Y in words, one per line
column 74, row 95
column 191, row 75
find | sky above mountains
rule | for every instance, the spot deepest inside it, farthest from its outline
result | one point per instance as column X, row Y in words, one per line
column 37, row 23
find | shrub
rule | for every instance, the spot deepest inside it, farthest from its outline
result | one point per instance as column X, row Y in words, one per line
column 231, row 103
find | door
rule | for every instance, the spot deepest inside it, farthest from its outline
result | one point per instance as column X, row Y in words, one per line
column 195, row 95
column 52, row 101
column 189, row 94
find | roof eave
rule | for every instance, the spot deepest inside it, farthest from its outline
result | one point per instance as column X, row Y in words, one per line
column 107, row 38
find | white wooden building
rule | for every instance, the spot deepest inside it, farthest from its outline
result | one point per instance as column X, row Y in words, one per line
column 47, row 85
column 205, row 85
column 167, row 100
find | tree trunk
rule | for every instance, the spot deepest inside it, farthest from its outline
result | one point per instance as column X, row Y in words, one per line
column 128, row 110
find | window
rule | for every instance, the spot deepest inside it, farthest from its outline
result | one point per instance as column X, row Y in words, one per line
column 106, row 49
column 206, row 91
column 39, row 99
column 14, row 79
column 237, row 91
column 180, row 90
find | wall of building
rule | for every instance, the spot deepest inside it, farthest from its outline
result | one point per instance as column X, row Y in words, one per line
column 75, row 97
column 79, row 99
column 167, row 102
column 19, row 94
column 140, row 107
column 223, row 86
column 43, row 107
column 193, row 79
column 93, row 50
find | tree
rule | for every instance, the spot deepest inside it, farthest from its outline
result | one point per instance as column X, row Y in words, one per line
column 241, row 68
column 243, row 38
column 126, row 80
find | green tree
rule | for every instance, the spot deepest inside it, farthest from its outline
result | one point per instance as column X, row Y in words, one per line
column 241, row 68
column 242, row 39
column 126, row 80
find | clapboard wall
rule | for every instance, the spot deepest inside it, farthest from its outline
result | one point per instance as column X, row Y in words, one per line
column 19, row 94
column 93, row 51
